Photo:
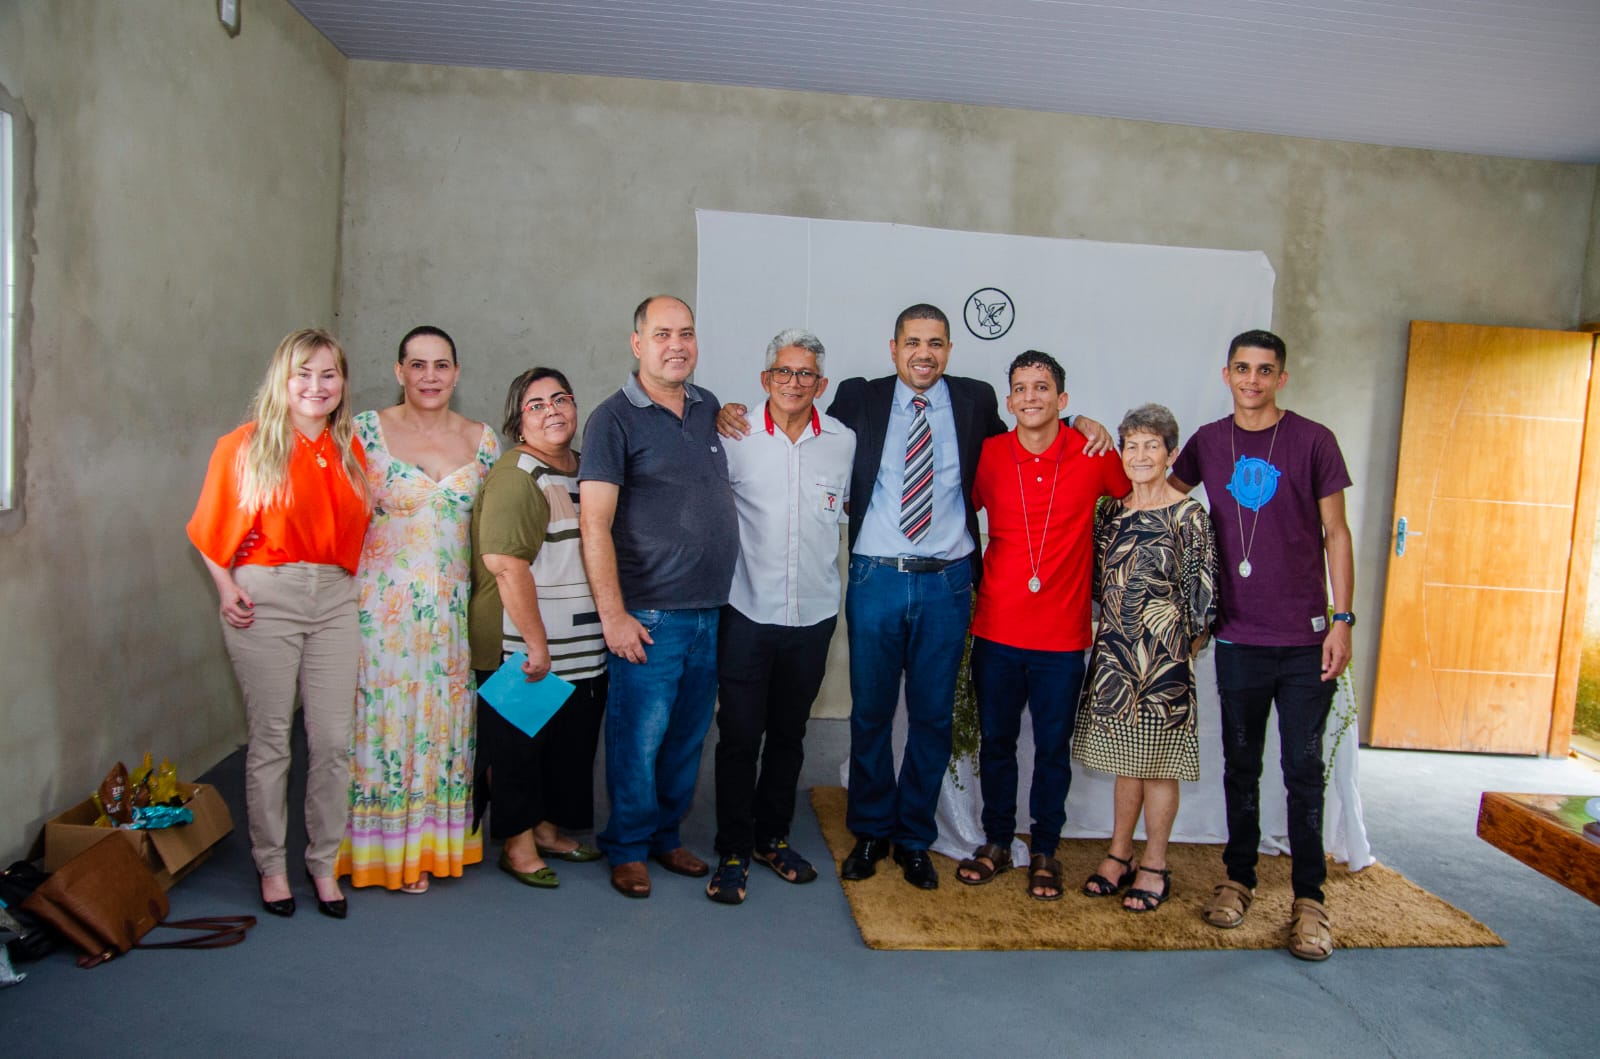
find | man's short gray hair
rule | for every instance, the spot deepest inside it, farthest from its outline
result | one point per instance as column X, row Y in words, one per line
column 1150, row 419
column 795, row 336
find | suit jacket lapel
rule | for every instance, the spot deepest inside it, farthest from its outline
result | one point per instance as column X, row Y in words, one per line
column 960, row 409
column 879, row 405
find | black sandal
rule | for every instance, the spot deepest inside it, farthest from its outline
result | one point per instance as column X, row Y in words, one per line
column 728, row 885
column 999, row 858
column 1098, row 885
column 1150, row 900
column 1044, row 873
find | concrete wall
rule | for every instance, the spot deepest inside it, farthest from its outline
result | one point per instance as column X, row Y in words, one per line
column 528, row 213
column 1590, row 310
column 184, row 217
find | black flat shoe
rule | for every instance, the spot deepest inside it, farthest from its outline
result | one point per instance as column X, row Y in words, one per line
column 332, row 909
column 862, row 863
column 917, row 867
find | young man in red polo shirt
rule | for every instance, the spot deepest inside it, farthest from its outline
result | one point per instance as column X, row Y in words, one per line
column 1031, row 627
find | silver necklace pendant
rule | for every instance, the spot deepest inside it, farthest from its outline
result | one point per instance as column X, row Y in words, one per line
column 1034, row 584
column 1244, row 567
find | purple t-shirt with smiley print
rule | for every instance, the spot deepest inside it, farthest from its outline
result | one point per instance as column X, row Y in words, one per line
column 1263, row 488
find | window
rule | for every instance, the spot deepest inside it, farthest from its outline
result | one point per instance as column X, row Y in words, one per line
column 16, row 167
column 8, row 312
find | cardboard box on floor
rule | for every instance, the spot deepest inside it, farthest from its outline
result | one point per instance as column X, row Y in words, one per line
column 171, row 852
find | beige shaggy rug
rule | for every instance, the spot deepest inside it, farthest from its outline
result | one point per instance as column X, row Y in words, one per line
column 1373, row 908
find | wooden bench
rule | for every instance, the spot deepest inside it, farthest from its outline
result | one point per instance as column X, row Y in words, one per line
column 1550, row 833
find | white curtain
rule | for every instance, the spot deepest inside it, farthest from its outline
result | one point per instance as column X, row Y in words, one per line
column 1129, row 323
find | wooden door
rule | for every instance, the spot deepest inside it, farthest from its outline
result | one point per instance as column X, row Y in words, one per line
column 1490, row 449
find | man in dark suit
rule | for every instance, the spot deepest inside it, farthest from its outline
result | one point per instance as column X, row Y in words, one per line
column 913, row 560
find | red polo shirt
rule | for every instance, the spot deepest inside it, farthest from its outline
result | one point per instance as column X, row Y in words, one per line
column 1056, row 618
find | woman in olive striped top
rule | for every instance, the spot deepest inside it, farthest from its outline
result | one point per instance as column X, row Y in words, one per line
column 530, row 595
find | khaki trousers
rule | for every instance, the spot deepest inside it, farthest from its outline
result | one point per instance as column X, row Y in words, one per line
column 304, row 637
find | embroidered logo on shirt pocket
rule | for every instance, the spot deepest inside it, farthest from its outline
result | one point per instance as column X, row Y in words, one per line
column 827, row 500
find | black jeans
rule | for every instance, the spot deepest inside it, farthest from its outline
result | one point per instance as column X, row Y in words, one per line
column 767, row 676
column 1249, row 680
column 549, row 776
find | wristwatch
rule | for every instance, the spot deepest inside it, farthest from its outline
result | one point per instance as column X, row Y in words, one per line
column 1346, row 617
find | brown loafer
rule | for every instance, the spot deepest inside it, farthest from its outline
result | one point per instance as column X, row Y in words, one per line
column 631, row 879
column 681, row 862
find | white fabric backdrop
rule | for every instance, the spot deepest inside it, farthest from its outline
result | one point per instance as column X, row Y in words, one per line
column 1129, row 323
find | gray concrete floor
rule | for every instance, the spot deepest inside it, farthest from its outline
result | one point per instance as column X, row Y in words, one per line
column 483, row 966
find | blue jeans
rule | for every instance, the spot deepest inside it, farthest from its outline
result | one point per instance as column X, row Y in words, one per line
column 916, row 625
column 656, row 721
column 1250, row 680
column 1005, row 679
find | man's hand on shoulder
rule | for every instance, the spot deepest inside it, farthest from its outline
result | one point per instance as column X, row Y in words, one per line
column 732, row 421
column 1098, row 437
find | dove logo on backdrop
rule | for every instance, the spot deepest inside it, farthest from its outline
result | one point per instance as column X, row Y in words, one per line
column 989, row 313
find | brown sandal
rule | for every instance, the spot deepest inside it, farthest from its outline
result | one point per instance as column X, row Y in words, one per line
column 1229, row 902
column 999, row 858
column 1310, row 937
column 1044, row 873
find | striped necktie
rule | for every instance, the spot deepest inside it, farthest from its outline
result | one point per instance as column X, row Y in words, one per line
column 916, row 499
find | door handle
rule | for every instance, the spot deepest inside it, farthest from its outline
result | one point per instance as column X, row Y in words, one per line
column 1400, row 535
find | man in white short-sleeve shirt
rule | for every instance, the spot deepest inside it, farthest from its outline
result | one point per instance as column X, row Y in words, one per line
column 791, row 478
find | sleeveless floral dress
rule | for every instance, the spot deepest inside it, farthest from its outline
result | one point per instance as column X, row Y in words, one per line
column 411, row 756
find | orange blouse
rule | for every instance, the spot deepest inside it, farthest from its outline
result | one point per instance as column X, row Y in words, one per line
column 325, row 520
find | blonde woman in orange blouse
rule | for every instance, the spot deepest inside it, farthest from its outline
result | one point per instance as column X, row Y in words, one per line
column 280, row 523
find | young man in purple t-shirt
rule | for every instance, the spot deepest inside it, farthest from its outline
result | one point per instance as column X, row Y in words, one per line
column 1276, row 485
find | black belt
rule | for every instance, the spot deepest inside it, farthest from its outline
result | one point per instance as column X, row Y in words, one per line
column 909, row 564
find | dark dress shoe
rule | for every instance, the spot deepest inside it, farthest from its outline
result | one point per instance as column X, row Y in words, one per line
column 284, row 908
column 862, row 863
column 918, row 868
column 332, row 909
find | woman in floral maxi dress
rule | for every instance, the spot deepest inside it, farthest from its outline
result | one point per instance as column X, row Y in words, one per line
column 412, row 753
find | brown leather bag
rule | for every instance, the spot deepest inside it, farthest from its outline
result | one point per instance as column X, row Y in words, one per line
column 105, row 899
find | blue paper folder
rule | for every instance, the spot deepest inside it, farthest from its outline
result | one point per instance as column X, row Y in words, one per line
column 528, row 706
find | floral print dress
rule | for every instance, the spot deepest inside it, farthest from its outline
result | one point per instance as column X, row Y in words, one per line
column 411, row 756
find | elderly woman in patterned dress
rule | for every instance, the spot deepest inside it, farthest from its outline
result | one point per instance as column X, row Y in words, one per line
column 1155, row 577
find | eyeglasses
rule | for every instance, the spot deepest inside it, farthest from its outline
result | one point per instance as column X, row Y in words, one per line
column 560, row 402
column 803, row 376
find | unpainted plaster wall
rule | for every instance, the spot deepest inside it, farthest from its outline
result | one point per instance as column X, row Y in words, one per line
column 1590, row 312
column 528, row 213
column 184, row 216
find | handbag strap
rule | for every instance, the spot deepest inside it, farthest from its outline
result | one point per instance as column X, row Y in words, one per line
column 220, row 932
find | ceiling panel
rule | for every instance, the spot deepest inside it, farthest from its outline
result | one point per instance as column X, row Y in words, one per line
column 1501, row 77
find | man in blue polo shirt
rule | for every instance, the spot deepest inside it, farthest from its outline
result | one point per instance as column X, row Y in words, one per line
column 660, row 537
